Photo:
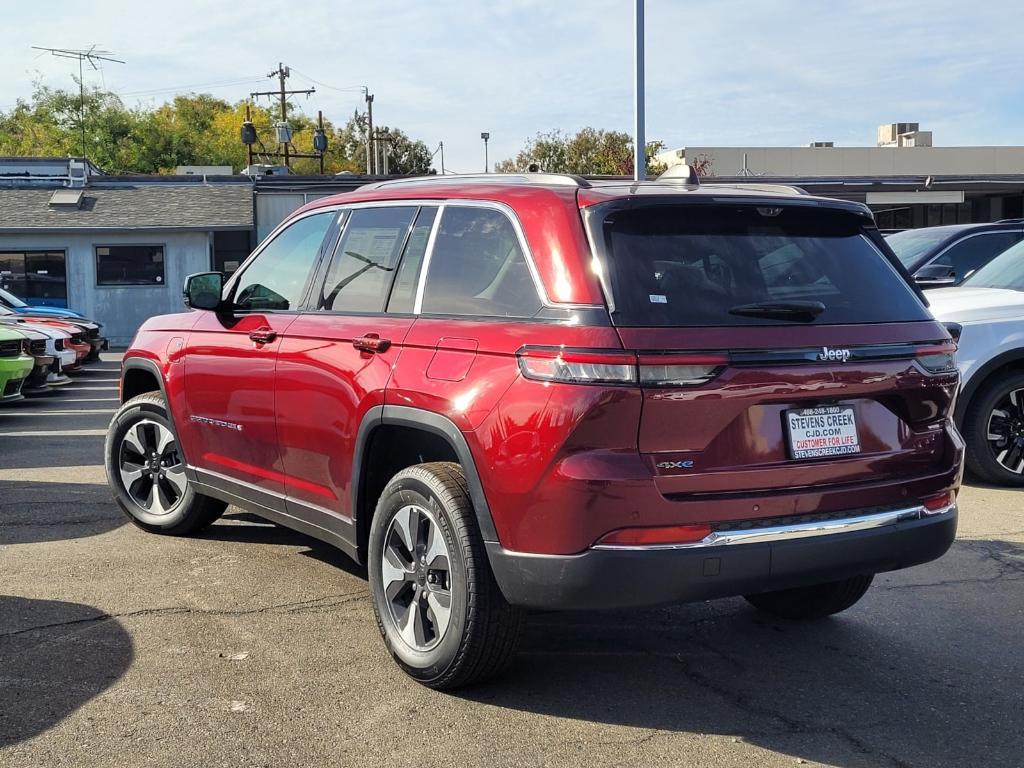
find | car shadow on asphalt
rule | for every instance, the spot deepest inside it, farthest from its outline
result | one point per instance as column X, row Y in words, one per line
column 924, row 671
column 246, row 528
column 54, row 657
column 33, row 511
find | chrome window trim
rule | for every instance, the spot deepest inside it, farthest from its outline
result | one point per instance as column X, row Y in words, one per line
column 797, row 530
column 428, row 253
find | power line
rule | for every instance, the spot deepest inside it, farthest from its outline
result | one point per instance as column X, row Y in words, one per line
column 215, row 84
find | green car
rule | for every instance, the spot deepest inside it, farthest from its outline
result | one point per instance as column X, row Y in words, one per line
column 15, row 364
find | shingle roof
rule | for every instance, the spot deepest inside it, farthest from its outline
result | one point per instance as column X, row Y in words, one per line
column 158, row 206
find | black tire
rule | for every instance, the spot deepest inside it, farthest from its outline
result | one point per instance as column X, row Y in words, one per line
column 190, row 511
column 813, row 602
column 483, row 631
column 981, row 458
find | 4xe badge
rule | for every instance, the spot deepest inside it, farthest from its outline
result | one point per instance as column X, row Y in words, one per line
column 831, row 355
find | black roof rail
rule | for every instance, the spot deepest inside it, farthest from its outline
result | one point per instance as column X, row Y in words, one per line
column 559, row 179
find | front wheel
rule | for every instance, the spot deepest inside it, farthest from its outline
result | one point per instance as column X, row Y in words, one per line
column 814, row 602
column 438, row 607
column 146, row 470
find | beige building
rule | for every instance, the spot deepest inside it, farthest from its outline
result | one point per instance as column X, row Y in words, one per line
column 905, row 179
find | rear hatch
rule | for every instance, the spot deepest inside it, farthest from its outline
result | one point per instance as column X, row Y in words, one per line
column 779, row 346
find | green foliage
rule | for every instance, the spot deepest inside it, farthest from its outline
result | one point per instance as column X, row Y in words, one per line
column 590, row 152
column 193, row 129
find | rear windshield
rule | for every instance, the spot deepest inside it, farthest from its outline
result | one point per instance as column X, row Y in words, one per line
column 1004, row 271
column 704, row 265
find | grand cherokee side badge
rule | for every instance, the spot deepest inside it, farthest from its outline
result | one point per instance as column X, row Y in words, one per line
column 216, row 422
column 829, row 354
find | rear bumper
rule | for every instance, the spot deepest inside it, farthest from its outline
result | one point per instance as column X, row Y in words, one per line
column 788, row 556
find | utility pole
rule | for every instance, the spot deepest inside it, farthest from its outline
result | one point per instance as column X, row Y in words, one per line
column 371, row 147
column 486, row 137
column 639, row 140
column 284, row 135
column 92, row 56
column 440, row 148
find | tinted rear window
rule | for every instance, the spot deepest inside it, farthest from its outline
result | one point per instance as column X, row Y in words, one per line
column 673, row 265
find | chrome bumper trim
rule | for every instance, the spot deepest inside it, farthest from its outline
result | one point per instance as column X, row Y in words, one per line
column 798, row 530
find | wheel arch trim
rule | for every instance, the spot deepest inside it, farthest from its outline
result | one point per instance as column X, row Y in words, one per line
column 977, row 381
column 434, row 423
column 150, row 367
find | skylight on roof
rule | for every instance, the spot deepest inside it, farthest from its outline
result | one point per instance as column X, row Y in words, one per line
column 66, row 198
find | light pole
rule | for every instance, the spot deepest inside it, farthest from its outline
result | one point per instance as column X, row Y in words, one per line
column 639, row 140
column 485, row 136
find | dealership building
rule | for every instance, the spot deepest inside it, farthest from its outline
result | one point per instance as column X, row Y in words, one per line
column 118, row 248
column 906, row 181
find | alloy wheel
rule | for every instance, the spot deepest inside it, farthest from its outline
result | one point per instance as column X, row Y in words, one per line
column 151, row 467
column 417, row 578
column 1006, row 431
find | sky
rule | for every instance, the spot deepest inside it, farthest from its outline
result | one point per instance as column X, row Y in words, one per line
column 719, row 73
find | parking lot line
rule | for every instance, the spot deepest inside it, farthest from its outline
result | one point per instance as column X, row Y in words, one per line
column 73, row 412
column 57, row 433
column 90, row 474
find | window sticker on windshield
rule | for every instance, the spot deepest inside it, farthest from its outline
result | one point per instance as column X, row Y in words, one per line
column 657, row 298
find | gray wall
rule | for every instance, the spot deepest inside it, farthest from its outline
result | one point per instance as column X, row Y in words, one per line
column 121, row 309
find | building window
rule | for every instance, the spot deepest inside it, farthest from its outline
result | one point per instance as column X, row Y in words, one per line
column 38, row 277
column 129, row 265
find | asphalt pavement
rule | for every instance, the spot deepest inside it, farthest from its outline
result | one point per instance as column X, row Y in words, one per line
column 250, row 645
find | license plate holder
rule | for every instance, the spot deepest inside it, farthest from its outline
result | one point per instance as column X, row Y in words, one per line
column 821, row 432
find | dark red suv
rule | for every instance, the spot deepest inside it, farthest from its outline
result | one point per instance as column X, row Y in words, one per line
column 514, row 392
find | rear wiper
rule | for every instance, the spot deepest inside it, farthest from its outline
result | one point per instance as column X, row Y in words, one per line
column 797, row 311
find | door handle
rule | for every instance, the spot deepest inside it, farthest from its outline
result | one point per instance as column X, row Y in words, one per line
column 371, row 342
column 263, row 335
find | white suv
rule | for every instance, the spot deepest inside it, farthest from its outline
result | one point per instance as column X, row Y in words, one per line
column 989, row 307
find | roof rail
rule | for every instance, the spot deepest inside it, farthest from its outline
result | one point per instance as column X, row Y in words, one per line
column 560, row 179
column 783, row 189
column 1010, row 221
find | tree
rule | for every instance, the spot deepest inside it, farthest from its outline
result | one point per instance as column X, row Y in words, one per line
column 589, row 152
column 192, row 129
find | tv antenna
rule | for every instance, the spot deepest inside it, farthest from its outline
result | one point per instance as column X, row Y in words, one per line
column 91, row 55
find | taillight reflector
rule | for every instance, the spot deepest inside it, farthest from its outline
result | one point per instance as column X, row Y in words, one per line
column 940, row 502
column 649, row 537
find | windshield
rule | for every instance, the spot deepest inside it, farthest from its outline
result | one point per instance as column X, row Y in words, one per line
column 10, row 300
column 1004, row 271
column 911, row 245
column 704, row 265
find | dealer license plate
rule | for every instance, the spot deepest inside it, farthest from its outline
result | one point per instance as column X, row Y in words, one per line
column 826, row 431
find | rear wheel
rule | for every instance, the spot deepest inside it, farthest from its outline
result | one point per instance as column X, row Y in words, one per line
column 147, row 471
column 813, row 602
column 994, row 430
column 438, row 607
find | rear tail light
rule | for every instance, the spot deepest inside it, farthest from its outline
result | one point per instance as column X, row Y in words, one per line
column 615, row 367
column 653, row 537
column 940, row 358
column 934, row 504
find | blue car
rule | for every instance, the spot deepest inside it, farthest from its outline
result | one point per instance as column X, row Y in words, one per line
column 11, row 301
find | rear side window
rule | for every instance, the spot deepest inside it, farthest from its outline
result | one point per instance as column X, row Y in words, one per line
column 703, row 265
column 477, row 267
column 364, row 262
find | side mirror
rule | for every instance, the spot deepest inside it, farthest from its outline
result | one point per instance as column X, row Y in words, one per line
column 934, row 282
column 203, row 290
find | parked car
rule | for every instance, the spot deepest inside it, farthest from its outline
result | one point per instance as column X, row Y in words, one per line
column 946, row 256
column 54, row 341
column 9, row 300
column 87, row 348
column 514, row 392
column 15, row 364
column 989, row 309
